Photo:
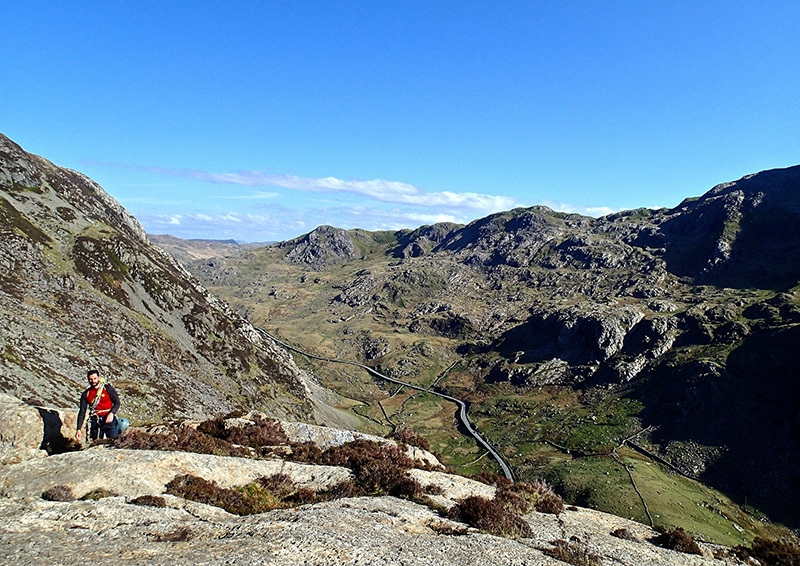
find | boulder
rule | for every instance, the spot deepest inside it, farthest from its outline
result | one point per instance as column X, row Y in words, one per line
column 29, row 431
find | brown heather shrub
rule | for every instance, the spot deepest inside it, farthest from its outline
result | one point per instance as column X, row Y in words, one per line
column 490, row 515
column 302, row 496
column 548, row 501
column 771, row 552
column 198, row 489
column 433, row 489
column 263, row 432
column 280, row 485
column 448, row 528
column 149, row 501
column 379, row 468
column 342, row 490
column 184, row 439
column 411, row 438
column 677, row 539
column 267, row 493
column 59, row 492
column 307, row 453
column 491, row 478
column 573, row 552
column 623, row 534
column 513, row 501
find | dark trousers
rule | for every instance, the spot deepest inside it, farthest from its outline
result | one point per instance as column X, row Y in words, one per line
column 99, row 428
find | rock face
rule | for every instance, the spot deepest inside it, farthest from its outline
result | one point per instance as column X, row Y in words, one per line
column 347, row 531
column 323, row 247
column 81, row 287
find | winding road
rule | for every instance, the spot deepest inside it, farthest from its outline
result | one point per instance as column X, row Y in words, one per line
column 462, row 413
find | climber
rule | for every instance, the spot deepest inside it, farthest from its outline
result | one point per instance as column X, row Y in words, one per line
column 102, row 401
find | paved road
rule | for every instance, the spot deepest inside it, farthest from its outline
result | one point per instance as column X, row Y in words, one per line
column 462, row 406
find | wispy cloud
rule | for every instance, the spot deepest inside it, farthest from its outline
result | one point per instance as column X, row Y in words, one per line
column 383, row 191
column 275, row 222
column 595, row 211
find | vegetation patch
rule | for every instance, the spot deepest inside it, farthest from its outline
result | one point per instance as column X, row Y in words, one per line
column 179, row 535
column 574, row 552
column 184, row 439
column 771, row 552
column 494, row 516
column 98, row 494
column 59, row 492
column 149, row 501
column 261, row 432
column 677, row 539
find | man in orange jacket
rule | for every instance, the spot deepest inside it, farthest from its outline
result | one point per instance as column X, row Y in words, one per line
column 102, row 401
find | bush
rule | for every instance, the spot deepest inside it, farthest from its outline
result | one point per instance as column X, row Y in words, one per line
column 771, row 552
column 490, row 515
column 433, row 489
column 280, row 485
column 149, row 501
column 623, row 534
column 263, row 432
column 379, row 468
column 198, row 489
column 490, row 478
column 549, row 501
column 677, row 539
column 411, row 438
column 308, row 453
column 267, row 493
column 184, row 439
column 347, row 488
column 573, row 552
column 59, row 492
column 179, row 535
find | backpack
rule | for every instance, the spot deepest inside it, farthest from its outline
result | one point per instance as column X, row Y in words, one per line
column 122, row 423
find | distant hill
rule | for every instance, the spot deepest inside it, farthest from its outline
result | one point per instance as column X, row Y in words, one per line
column 189, row 250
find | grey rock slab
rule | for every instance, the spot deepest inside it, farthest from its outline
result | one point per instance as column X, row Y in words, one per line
column 146, row 472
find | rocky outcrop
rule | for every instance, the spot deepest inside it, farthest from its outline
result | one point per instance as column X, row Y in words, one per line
column 30, row 432
column 358, row 531
column 125, row 513
column 321, row 248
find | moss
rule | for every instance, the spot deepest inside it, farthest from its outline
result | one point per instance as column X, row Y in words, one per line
column 98, row 494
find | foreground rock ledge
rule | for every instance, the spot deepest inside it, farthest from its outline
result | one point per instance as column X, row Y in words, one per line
column 358, row 531
column 355, row 531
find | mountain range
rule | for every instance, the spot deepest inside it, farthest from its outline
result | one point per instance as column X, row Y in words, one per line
column 566, row 334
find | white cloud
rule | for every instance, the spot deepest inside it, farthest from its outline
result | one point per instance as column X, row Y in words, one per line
column 383, row 191
column 595, row 211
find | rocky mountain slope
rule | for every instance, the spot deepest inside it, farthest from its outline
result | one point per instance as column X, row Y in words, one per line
column 68, row 509
column 568, row 335
column 81, row 287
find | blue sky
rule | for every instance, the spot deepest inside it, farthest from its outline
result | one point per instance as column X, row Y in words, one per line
column 259, row 121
